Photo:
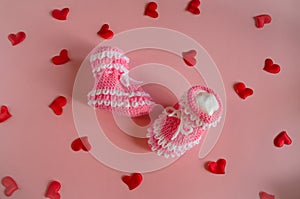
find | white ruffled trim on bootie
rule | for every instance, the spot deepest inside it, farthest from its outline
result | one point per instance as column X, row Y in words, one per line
column 115, row 92
column 117, row 66
column 123, row 103
column 165, row 147
column 190, row 117
column 109, row 54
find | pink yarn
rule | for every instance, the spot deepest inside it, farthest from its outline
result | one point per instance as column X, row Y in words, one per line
column 113, row 89
column 179, row 128
column 177, row 147
column 206, row 119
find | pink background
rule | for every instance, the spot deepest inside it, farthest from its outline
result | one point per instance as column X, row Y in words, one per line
column 35, row 143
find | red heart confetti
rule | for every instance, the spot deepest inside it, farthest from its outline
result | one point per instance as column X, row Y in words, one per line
column 81, row 143
column 281, row 139
column 10, row 185
column 60, row 14
column 62, row 58
column 264, row 195
column 150, row 10
column 261, row 20
column 193, row 7
column 133, row 181
column 217, row 167
column 271, row 67
column 242, row 91
column 4, row 114
column 52, row 191
column 16, row 38
column 105, row 32
column 189, row 57
column 57, row 105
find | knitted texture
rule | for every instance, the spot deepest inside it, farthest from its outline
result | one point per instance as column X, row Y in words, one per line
column 180, row 127
column 196, row 115
column 113, row 89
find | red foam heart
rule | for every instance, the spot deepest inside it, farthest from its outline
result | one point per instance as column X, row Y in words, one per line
column 271, row 67
column 150, row 10
column 10, row 185
column 242, row 91
column 261, row 20
column 105, row 32
column 189, row 57
column 62, row 58
column 193, row 7
column 60, row 14
column 58, row 104
column 4, row 114
column 217, row 167
column 281, row 139
column 52, row 191
column 264, row 195
column 133, row 181
column 81, row 143
column 16, row 38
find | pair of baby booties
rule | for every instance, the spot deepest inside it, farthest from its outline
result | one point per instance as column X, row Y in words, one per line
column 177, row 129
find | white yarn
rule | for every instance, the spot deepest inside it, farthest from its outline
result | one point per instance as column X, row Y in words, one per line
column 108, row 54
column 207, row 102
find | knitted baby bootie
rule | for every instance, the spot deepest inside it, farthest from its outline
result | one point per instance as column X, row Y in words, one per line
column 113, row 89
column 180, row 127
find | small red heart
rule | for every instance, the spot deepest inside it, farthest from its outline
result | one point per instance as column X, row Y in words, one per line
column 10, row 185
column 52, row 191
column 57, row 105
column 150, row 10
column 242, row 91
column 4, row 114
column 271, row 67
column 60, row 14
column 16, row 38
column 281, row 139
column 261, row 20
column 217, row 167
column 133, row 181
column 193, row 7
column 81, row 143
column 189, row 57
column 264, row 195
column 62, row 58
column 105, row 32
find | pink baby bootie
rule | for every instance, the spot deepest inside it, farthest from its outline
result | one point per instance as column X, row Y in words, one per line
column 180, row 127
column 114, row 90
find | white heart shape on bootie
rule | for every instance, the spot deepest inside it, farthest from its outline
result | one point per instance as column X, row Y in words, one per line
column 207, row 102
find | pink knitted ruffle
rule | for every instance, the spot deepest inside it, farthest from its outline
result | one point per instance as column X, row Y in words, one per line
column 180, row 127
column 113, row 89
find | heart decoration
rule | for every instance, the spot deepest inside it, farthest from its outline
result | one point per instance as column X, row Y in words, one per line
column 10, row 185
column 58, row 104
column 189, row 57
column 217, row 167
column 4, row 114
column 16, row 38
column 60, row 14
column 193, row 7
column 52, row 191
column 133, row 181
column 242, row 90
column 261, row 20
column 282, row 139
column 264, row 195
column 105, row 32
column 81, row 143
column 271, row 67
column 62, row 58
column 150, row 10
